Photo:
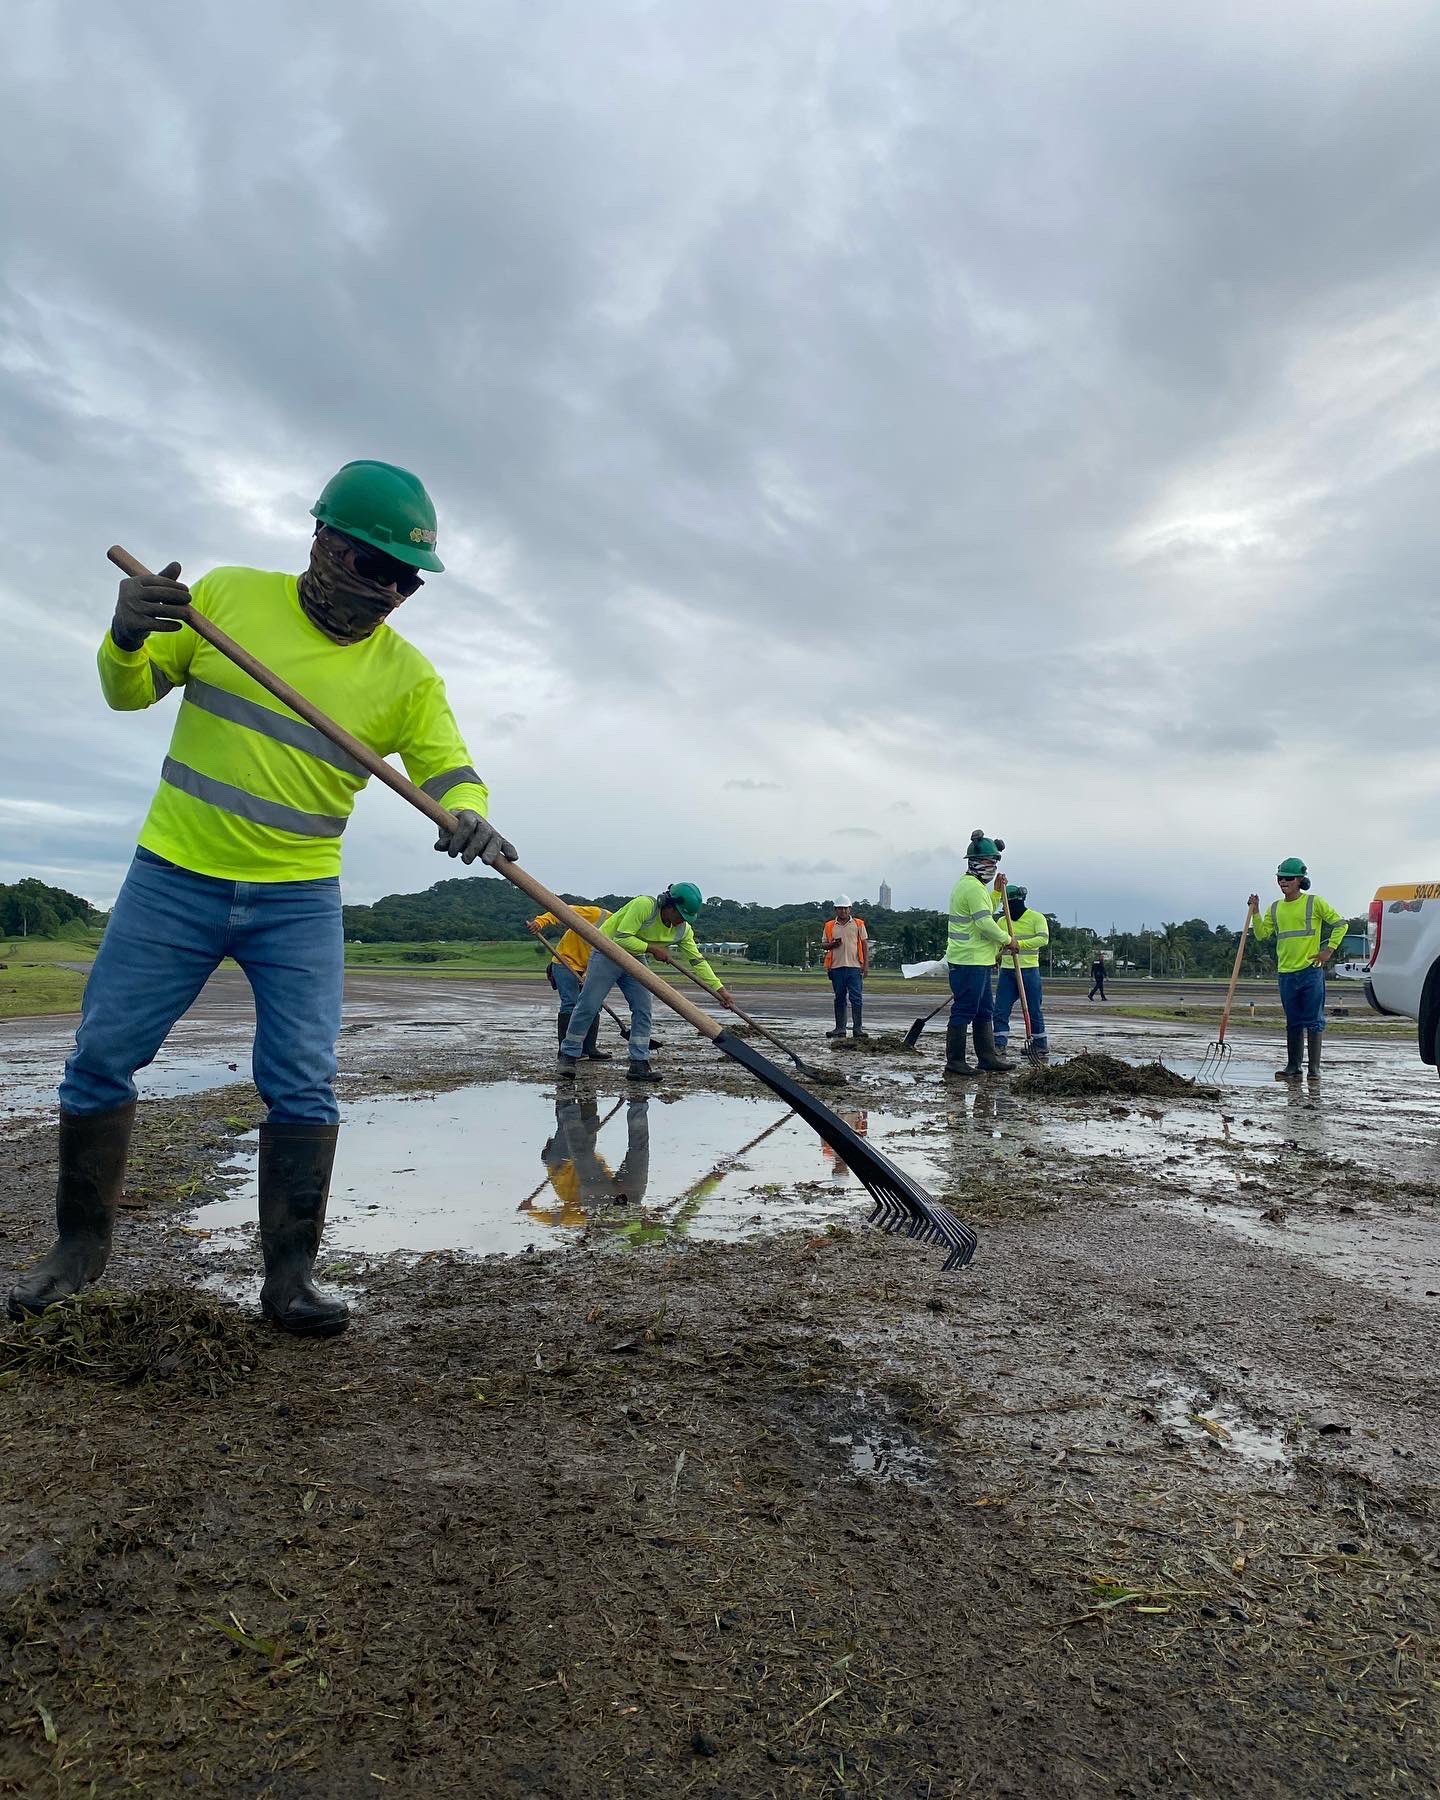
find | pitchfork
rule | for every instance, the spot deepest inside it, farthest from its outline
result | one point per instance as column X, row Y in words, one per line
column 1217, row 1055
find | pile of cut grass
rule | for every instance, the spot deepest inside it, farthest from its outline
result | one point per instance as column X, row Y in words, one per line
column 160, row 1335
column 1094, row 1074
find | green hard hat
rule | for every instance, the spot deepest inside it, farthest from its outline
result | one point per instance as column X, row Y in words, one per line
column 1293, row 869
column 686, row 898
column 983, row 849
column 383, row 506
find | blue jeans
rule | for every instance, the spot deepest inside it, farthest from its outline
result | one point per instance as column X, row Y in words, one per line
column 970, row 984
column 1006, row 997
column 849, row 984
column 168, row 931
column 600, row 977
column 566, row 984
column 1302, row 994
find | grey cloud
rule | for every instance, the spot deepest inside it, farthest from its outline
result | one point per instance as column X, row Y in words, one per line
column 855, row 831
column 1087, row 420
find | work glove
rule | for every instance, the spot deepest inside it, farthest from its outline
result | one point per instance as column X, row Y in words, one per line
column 474, row 836
column 147, row 603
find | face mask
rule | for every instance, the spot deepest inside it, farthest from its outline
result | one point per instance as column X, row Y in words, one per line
column 342, row 604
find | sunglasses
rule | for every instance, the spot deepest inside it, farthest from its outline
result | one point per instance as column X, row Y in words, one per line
column 375, row 565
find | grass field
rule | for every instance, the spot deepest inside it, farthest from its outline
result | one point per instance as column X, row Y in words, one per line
column 34, row 979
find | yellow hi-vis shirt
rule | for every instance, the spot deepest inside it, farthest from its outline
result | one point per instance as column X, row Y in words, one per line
column 1298, row 926
column 248, row 790
column 572, row 948
column 973, row 933
column 638, row 923
column 1032, row 933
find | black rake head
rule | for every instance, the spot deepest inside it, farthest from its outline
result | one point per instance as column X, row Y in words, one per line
column 901, row 1204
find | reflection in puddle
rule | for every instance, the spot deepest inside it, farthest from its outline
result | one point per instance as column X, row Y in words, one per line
column 509, row 1166
column 29, row 1091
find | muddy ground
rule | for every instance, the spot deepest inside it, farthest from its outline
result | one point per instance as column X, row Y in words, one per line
column 1146, row 1500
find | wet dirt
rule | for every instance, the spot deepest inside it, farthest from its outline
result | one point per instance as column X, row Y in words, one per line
column 1138, row 1502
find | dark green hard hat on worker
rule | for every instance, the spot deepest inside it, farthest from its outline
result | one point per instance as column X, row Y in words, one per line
column 1293, row 869
column 686, row 898
column 383, row 506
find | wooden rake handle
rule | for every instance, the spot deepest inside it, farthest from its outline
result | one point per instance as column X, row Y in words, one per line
column 1234, row 977
column 432, row 809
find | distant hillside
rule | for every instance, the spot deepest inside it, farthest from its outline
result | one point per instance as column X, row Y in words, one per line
column 488, row 908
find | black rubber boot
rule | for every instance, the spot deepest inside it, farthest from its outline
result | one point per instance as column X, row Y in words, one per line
column 988, row 1057
column 295, row 1164
column 93, row 1148
column 857, row 1016
column 955, row 1064
column 1294, row 1044
column 839, row 1030
column 1312, row 1044
column 592, row 1051
column 562, row 1025
column 641, row 1071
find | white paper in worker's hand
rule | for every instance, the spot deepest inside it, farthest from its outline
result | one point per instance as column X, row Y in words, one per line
column 911, row 970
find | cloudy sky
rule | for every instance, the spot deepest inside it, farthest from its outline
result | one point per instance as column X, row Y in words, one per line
column 850, row 423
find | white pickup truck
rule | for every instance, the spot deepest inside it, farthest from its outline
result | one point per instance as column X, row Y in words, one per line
column 1403, row 934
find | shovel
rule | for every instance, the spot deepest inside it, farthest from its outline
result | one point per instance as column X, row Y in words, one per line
column 610, row 1011
column 912, row 1036
column 1217, row 1055
column 832, row 1077
column 899, row 1200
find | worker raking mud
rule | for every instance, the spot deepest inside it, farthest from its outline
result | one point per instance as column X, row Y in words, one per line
column 566, row 974
column 239, row 856
column 972, row 939
column 1307, row 932
column 659, row 926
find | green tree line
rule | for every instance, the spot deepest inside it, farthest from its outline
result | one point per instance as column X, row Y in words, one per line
column 30, row 908
column 789, row 935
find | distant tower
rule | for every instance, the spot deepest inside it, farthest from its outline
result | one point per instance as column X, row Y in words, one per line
column 885, row 897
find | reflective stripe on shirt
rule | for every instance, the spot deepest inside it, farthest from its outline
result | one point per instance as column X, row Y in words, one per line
column 248, row 806
column 1309, row 926
column 281, row 726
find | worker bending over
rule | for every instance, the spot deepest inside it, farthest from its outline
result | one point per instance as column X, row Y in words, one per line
column 657, row 926
column 847, row 954
column 1307, row 932
column 971, row 944
column 1032, row 934
column 569, row 960
column 240, row 856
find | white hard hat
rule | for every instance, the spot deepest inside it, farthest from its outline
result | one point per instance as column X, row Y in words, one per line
column 842, row 899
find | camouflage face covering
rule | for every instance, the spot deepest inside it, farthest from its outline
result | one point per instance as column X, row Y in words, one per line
column 342, row 604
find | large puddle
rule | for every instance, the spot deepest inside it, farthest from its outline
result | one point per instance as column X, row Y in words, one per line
column 509, row 1167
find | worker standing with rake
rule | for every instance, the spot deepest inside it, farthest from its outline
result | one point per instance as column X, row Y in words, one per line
column 239, row 856
column 1307, row 932
column 972, row 940
column 1032, row 934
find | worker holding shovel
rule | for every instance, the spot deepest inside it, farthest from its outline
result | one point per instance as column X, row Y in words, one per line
column 1307, row 932
column 1032, row 934
column 972, row 941
column 570, row 959
column 239, row 856
column 654, row 925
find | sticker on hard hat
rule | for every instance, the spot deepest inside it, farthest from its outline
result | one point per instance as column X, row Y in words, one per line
column 417, row 536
